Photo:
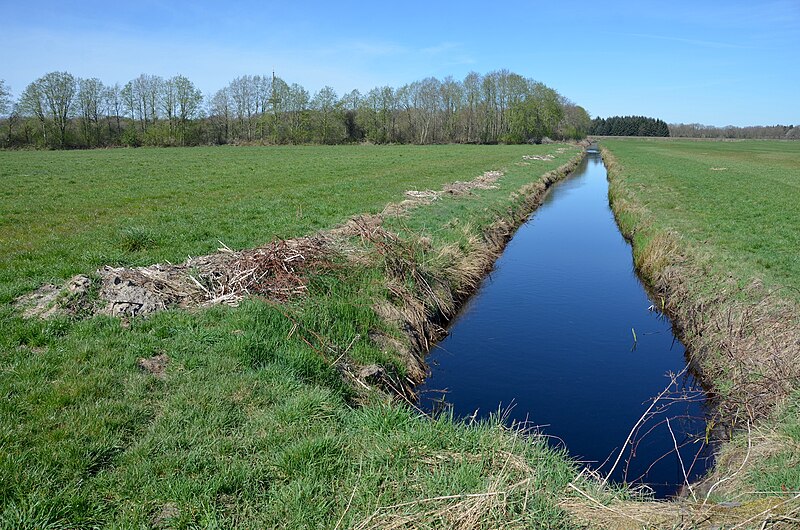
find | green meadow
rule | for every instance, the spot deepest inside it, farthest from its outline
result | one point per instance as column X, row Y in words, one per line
column 249, row 426
column 738, row 201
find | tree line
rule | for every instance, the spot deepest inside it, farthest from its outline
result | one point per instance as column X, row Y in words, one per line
column 629, row 126
column 61, row 111
column 773, row 132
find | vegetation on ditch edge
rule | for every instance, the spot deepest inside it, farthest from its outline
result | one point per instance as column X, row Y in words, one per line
column 739, row 323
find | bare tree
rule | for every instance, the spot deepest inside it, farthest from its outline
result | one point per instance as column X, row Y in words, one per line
column 329, row 125
column 428, row 109
column 142, row 96
column 472, row 95
column 168, row 103
column 90, row 100
column 452, row 101
column 188, row 98
column 50, row 99
column 406, row 98
column 264, row 90
column 244, row 94
column 297, row 108
column 220, row 113
column 112, row 98
column 5, row 110
column 31, row 103
column 576, row 122
column 58, row 89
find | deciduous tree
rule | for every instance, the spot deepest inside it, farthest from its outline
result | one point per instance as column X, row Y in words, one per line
column 5, row 98
column 90, row 101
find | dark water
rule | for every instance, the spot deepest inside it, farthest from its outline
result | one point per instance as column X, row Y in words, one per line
column 548, row 339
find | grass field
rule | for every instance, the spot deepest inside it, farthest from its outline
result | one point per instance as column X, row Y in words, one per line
column 63, row 212
column 717, row 226
column 250, row 426
column 737, row 200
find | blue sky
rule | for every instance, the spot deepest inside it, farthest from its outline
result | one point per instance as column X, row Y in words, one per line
column 713, row 62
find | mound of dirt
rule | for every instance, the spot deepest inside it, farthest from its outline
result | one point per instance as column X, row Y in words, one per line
column 275, row 271
column 51, row 300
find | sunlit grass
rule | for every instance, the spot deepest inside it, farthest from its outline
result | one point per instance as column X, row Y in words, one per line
column 733, row 208
column 738, row 201
column 249, row 427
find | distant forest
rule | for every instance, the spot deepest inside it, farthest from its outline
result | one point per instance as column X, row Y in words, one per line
column 629, row 126
column 61, row 111
column 644, row 126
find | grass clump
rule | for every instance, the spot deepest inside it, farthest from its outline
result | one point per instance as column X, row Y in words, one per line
column 136, row 238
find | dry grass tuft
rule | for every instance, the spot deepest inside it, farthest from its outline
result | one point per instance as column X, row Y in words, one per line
column 507, row 493
column 743, row 343
column 770, row 512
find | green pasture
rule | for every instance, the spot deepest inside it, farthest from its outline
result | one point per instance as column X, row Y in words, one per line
column 249, row 427
column 738, row 202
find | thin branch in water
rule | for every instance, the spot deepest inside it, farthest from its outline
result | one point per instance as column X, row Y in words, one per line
column 638, row 423
column 680, row 460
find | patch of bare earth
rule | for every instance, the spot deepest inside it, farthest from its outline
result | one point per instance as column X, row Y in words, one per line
column 155, row 365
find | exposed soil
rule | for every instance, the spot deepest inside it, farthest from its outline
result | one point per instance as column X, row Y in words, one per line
column 275, row 271
column 156, row 365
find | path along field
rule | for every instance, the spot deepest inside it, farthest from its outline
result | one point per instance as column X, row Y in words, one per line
column 239, row 416
column 716, row 233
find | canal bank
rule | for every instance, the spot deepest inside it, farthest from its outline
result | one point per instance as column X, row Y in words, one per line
column 562, row 338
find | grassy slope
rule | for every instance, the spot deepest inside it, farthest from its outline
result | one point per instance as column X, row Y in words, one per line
column 741, row 223
column 250, row 427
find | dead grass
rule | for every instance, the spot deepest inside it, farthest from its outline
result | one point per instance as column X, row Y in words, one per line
column 275, row 271
column 515, row 480
column 744, row 342
column 769, row 512
column 155, row 365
